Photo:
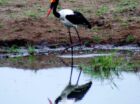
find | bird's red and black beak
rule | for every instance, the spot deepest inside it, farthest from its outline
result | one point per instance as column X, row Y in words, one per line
column 49, row 12
column 50, row 102
column 51, row 7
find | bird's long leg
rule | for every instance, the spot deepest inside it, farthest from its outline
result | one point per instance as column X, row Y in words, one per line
column 79, row 76
column 80, row 42
column 72, row 45
column 71, row 55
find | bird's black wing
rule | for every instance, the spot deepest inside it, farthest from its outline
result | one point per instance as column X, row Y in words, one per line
column 79, row 92
column 78, row 19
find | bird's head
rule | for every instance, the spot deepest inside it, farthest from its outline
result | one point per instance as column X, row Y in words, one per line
column 52, row 5
column 57, row 101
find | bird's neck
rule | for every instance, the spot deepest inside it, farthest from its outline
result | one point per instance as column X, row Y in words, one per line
column 55, row 12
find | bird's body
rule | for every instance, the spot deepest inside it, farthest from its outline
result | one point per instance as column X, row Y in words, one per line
column 63, row 14
column 73, row 93
column 65, row 101
column 69, row 17
column 72, row 18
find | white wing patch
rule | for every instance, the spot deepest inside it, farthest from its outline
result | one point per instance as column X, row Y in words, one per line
column 63, row 14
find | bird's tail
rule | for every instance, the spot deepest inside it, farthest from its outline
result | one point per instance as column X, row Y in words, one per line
column 88, row 25
column 80, row 91
column 86, row 86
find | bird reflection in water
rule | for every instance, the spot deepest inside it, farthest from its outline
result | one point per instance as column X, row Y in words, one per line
column 72, row 92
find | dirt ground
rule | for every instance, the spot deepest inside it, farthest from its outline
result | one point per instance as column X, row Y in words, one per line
column 24, row 22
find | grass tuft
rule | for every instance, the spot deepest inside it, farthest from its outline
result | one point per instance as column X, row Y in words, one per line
column 102, row 10
column 107, row 66
column 126, row 5
column 3, row 2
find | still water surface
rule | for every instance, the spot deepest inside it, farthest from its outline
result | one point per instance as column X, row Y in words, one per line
column 19, row 86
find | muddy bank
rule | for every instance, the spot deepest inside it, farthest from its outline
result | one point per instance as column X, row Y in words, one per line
column 48, row 32
column 50, row 60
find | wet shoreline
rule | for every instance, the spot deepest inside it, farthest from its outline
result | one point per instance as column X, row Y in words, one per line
column 45, row 57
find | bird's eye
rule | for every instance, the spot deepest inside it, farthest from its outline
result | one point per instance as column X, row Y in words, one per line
column 52, row 1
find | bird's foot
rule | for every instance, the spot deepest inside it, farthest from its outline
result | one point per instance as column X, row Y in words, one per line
column 67, row 48
column 80, row 48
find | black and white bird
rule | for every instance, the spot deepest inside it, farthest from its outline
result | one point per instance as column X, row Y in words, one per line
column 69, row 18
column 72, row 93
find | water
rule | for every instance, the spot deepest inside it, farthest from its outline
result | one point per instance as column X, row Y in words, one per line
column 39, row 50
column 84, row 55
column 30, row 84
column 19, row 86
column 131, row 47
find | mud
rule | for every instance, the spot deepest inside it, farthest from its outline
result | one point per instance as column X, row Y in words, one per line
column 22, row 30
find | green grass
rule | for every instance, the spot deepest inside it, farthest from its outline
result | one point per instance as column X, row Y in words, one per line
column 13, row 49
column 97, row 39
column 20, row 61
column 124, row 23
column 130, row 38
column 31, row 14
column 106, row 62
column 31, row 59
column 1, row 25
column 87, row 43
column 16, row 49
column 35, row 12
column 95, row 29
column 31, row 49
column 102, row 10
column 126, row 5
column 73, row 1
column 2, row 2
column 107, row 66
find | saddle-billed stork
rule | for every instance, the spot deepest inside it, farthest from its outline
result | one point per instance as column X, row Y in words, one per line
column 69, row 18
